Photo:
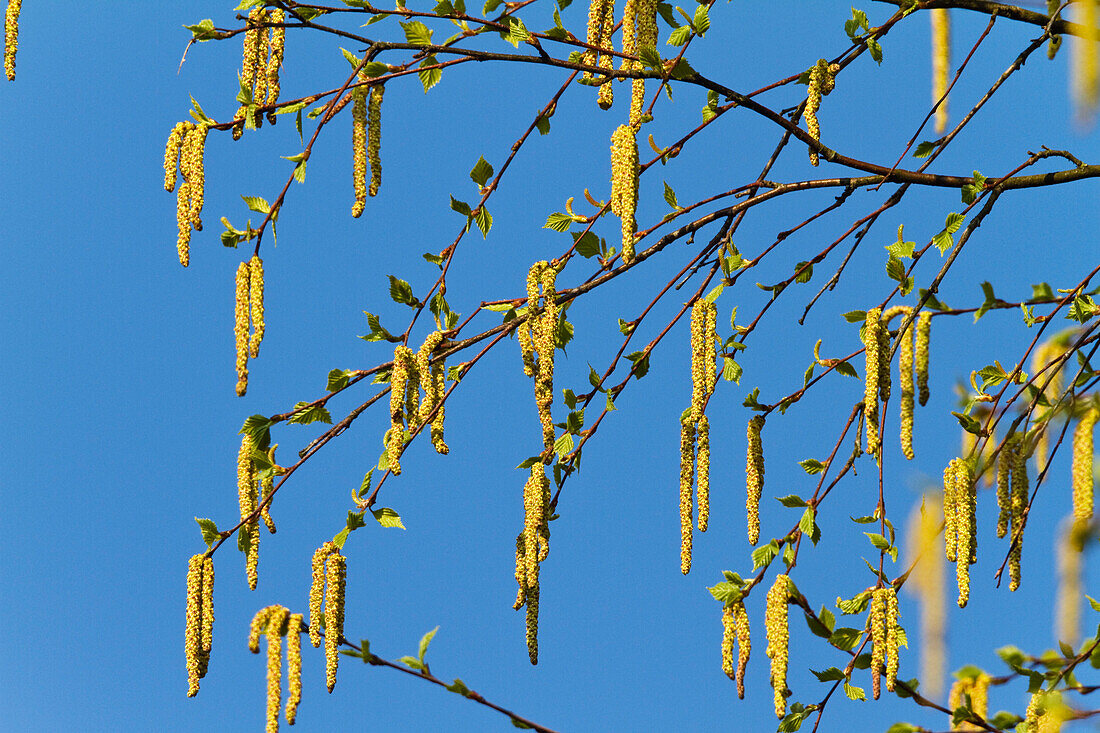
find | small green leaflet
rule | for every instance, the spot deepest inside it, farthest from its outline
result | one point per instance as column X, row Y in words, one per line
column 387, row 517
column 210, row 533
column 481, row 171
column 308, row 414
column 417, row 33
column 429, row 73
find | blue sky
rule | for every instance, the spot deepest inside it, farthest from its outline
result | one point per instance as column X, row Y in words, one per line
column 117, row 367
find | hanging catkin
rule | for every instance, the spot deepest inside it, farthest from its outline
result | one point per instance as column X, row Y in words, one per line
column 624, row 184
column 11, row 37
column 775, row 621
column 941, row 63
column 754, row 477
column 872, row 344
column 1082, row 464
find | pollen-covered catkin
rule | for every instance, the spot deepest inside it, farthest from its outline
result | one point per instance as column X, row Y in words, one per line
column 729, row 637
column 893, row 638
column 821, row 83
column 544, row 345
column 775, row 621
column 606, row 95
column 317, row 592
column 267, row 488
column 924, row 332
column 876, row 621
column 1086, row 70
column 404, row 364
column 256, row 627
column 1082, row 464
column 177, row 153
column 905, row 377
column 431, row 381
column 1067, row 614
column 277, row 47
column 926, row 580
column 256, row 304
column 250, row 61
column 1018, row 518
column 359, row 149
column 872, row 351
column 703, row 472
column 374, row 137
column 1006, row 464
column 744, row 645
column 247, row 496
column 192, row 167
column 293, row 666
column 965, row 492
column 275, row 622
column 193, row 625
column 240, row 327
column 941, row 63
column 172, row 150
column 977, row 688
column 593, row 31
column 687, row 470
column 624, row 184
column 336, row 578
column 950, row 518
column 754, row 477
column 206, row 635
column 11, row 37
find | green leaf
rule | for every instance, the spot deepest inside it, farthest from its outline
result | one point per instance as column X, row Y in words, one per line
column 880, row 542
column 640, row 360
column 904, row 728
column 1042, row 291
column 670, row 195
column 764, row 554
column 587, row 244
column 203, row 30
column 484, row 220
column 679, row 36
column 968, row 423
column 412, row 662
column 650, row 58
column 725, row 592
column 210, row 533
column 924, row 149
column 1093, row 603
column 875, row 48
column 846, row 369
column 731, row 370
column 808, row 525
column 792, row 501
column 1002, row 720
column 895, row 269
column 527, row 463
column 459, row 687
column 701, row 20
column 812, row 466
column 401, row 292
column 855, row 316
column 258, row 427
column 417, row 33
column 387, row 517
column 853, row 692
column 970, row 191
column 338, row 379
column 429, row 77
column 481, row 171
column 558, row 221
column 563, row 444
column 845, row 638
column 425, row 641
column 308, row 415
column 832, row 674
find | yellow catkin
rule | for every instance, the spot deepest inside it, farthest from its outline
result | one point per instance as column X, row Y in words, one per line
column 646, row 19
column 1017, row 519
column 193, row 625
column 729, row 638
column 754, row 477
column 11, row 37
column 247, row 497
column 744, row 645
column 1086, row 70
column 1082, row 464
column 193, row 152
column 431, row 381
column 624, row 184
column 256, row 627
column 950, row 533
column 206, row 636
column 336, row 578
column 965, row 492
column 821, row 83
column 606, row 95
column 593, row 32
column 924, row 332
column 240, row 327
column 250, row 59
column 293, row 666
column 374, row 137
column 941, row 63
column 872, row 351
column 274, row 667
column 404, row 364
column 1005, row 465
column 521, row 574
column 172, row 150
column 703, row 472
column 267, row 487
column 927, row 582
column 905, row 378
column 544, row 344
column 317, row 592
column 256, row 304
column 630, row 33
column 1070, row 542
column 183, row 195
column 876, row 622
column 775, row 621
column 977, row 688
column 277, row 46
column 529, row 551
column 1047, row 368
column 687, row 470
column 359, row 149
column 893, row 638
column 439, row 372
column 533, row 624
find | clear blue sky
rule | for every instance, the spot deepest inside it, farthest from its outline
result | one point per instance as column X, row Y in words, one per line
column 117, row 369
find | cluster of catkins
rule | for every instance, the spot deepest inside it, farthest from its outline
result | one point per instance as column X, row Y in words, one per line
column 912, row 356
column 537, row 343
column 264, row 43
column 184, row 151
column 960, row 502
column 822, row 82
column 248, row 498
column 330, row 575
column 274, row 622
column 199, row 634
column 624, row 184
column 735, row 630
column 411, row 374
column 885, row 638
column 249, row 306
column 11, row 37
column 775, row 623
column 366, row 143
column 977, row 688
column 1012, row 499
column 695, row 428
column 601, row 23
